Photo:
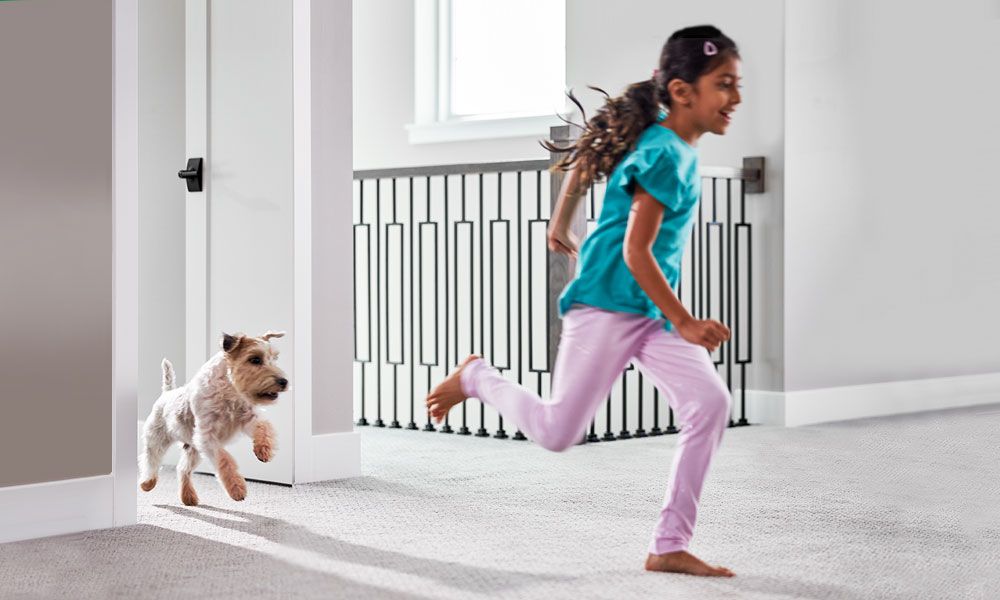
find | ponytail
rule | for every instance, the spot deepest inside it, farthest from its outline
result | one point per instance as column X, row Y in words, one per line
column 609, row 134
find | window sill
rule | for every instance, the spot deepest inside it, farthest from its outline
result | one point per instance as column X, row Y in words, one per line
column 481, row 129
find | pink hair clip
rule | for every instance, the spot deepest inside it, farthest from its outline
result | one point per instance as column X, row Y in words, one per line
column 710, row 49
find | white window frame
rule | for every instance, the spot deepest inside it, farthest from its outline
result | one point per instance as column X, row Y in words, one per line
column 432, row 120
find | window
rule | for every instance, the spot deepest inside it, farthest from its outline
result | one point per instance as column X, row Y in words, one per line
column 486, row 68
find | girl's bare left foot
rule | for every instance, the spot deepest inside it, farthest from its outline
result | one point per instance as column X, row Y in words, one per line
column 448, row 393
column 684, row 562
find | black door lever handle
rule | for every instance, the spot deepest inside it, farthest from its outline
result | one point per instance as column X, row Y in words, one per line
column 192, row 174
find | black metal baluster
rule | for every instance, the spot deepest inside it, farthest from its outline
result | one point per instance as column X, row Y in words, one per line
column 396, row 364
column 412, row 425
column 609, row 436
column 429, row 426
column 640, row 432
column 362, row 421
column 464, row 429
column 501, row 434
column 378, row 304
column 655, row 431
column 749, row 326
column 518, row 435
column 624, row 433
column 447, row 418
column 482, row 298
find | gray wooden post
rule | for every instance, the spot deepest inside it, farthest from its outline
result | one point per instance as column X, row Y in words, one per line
column 561, row 268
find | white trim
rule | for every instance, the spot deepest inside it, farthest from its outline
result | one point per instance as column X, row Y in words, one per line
column 196, row 249
column 764, row 408
column 125, row 300
column 303, row 242
column 807, row 407
column 58, row 507
column 333, row 456
column 425, row 55
column 481, row 129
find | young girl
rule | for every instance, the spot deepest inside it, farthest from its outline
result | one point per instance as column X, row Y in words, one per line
column 621, row 307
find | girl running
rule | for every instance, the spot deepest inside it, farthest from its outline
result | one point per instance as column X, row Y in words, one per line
column 621, row 307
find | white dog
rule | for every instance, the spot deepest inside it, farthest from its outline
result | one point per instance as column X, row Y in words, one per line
column 204, row 415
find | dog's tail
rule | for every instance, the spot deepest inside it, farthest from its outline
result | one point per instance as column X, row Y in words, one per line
column 168, row 375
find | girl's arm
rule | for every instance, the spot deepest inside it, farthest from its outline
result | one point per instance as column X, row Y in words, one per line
column 561, row 239
column 643, row 226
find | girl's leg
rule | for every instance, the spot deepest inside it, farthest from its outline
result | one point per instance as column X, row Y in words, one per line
column 685, row 374
column 595, row 346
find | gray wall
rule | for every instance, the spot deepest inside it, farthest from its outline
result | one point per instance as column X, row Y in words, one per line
column 56, row 232
column 161, row 195
column 893, row 139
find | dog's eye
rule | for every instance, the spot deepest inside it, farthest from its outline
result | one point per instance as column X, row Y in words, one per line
column 255, row 360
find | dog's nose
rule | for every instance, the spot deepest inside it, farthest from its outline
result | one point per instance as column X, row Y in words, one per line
column 282, row 382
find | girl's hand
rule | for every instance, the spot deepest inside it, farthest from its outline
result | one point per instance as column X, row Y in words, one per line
column 562, row 241
column 704, row 332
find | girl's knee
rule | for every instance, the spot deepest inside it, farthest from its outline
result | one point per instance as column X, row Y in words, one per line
column 716, row 405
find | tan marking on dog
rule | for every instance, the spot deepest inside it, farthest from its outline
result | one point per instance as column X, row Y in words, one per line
column 231, row 479
column 148, row 484
column 264, row 441
column 253, row 370
column 188, row 496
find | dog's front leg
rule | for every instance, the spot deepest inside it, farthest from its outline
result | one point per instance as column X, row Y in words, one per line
column 264, row 438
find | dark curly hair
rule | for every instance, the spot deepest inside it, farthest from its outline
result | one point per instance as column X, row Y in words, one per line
column 611, row 133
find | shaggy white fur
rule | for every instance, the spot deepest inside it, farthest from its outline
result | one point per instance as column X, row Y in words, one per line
column 219, row 402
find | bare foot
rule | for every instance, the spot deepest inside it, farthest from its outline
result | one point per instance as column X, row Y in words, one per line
column 448, row 393
column 684, row 562
column 148, row 484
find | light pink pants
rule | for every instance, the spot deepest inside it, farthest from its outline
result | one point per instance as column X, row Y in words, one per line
column 596, row 346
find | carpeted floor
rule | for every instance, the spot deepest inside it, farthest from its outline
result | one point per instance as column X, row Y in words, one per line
column 898, row 508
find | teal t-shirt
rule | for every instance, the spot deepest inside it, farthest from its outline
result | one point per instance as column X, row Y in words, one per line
column 666, row 167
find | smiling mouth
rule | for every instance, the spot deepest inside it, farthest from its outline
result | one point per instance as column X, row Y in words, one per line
column 268, row 396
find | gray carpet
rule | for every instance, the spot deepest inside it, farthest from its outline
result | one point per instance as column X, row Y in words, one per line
column 896, row 508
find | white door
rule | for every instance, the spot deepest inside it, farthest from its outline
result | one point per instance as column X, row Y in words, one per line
column 239, row 228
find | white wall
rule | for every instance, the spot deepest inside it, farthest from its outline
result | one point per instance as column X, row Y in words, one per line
column 892, row 139
column 609, row 48
column 161, row 195
column 384, row 102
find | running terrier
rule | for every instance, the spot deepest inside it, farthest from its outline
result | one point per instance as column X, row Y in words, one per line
column 204, row 415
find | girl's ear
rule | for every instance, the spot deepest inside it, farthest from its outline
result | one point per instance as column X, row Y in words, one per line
column 681, row 92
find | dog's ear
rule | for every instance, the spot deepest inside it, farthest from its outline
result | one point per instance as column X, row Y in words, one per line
column 230, row 342
column 272, row 334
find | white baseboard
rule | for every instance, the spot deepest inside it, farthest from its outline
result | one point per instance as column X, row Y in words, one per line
column 330, row 456
column 807, row 407
column 56, row 508
column 333, row 456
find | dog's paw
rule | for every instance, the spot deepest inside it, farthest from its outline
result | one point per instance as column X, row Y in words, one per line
column 188, row 496
column 237, row 489
column 148, row 484
column 264, row 452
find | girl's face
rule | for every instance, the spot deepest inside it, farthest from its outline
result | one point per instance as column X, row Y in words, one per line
column 716, row 95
